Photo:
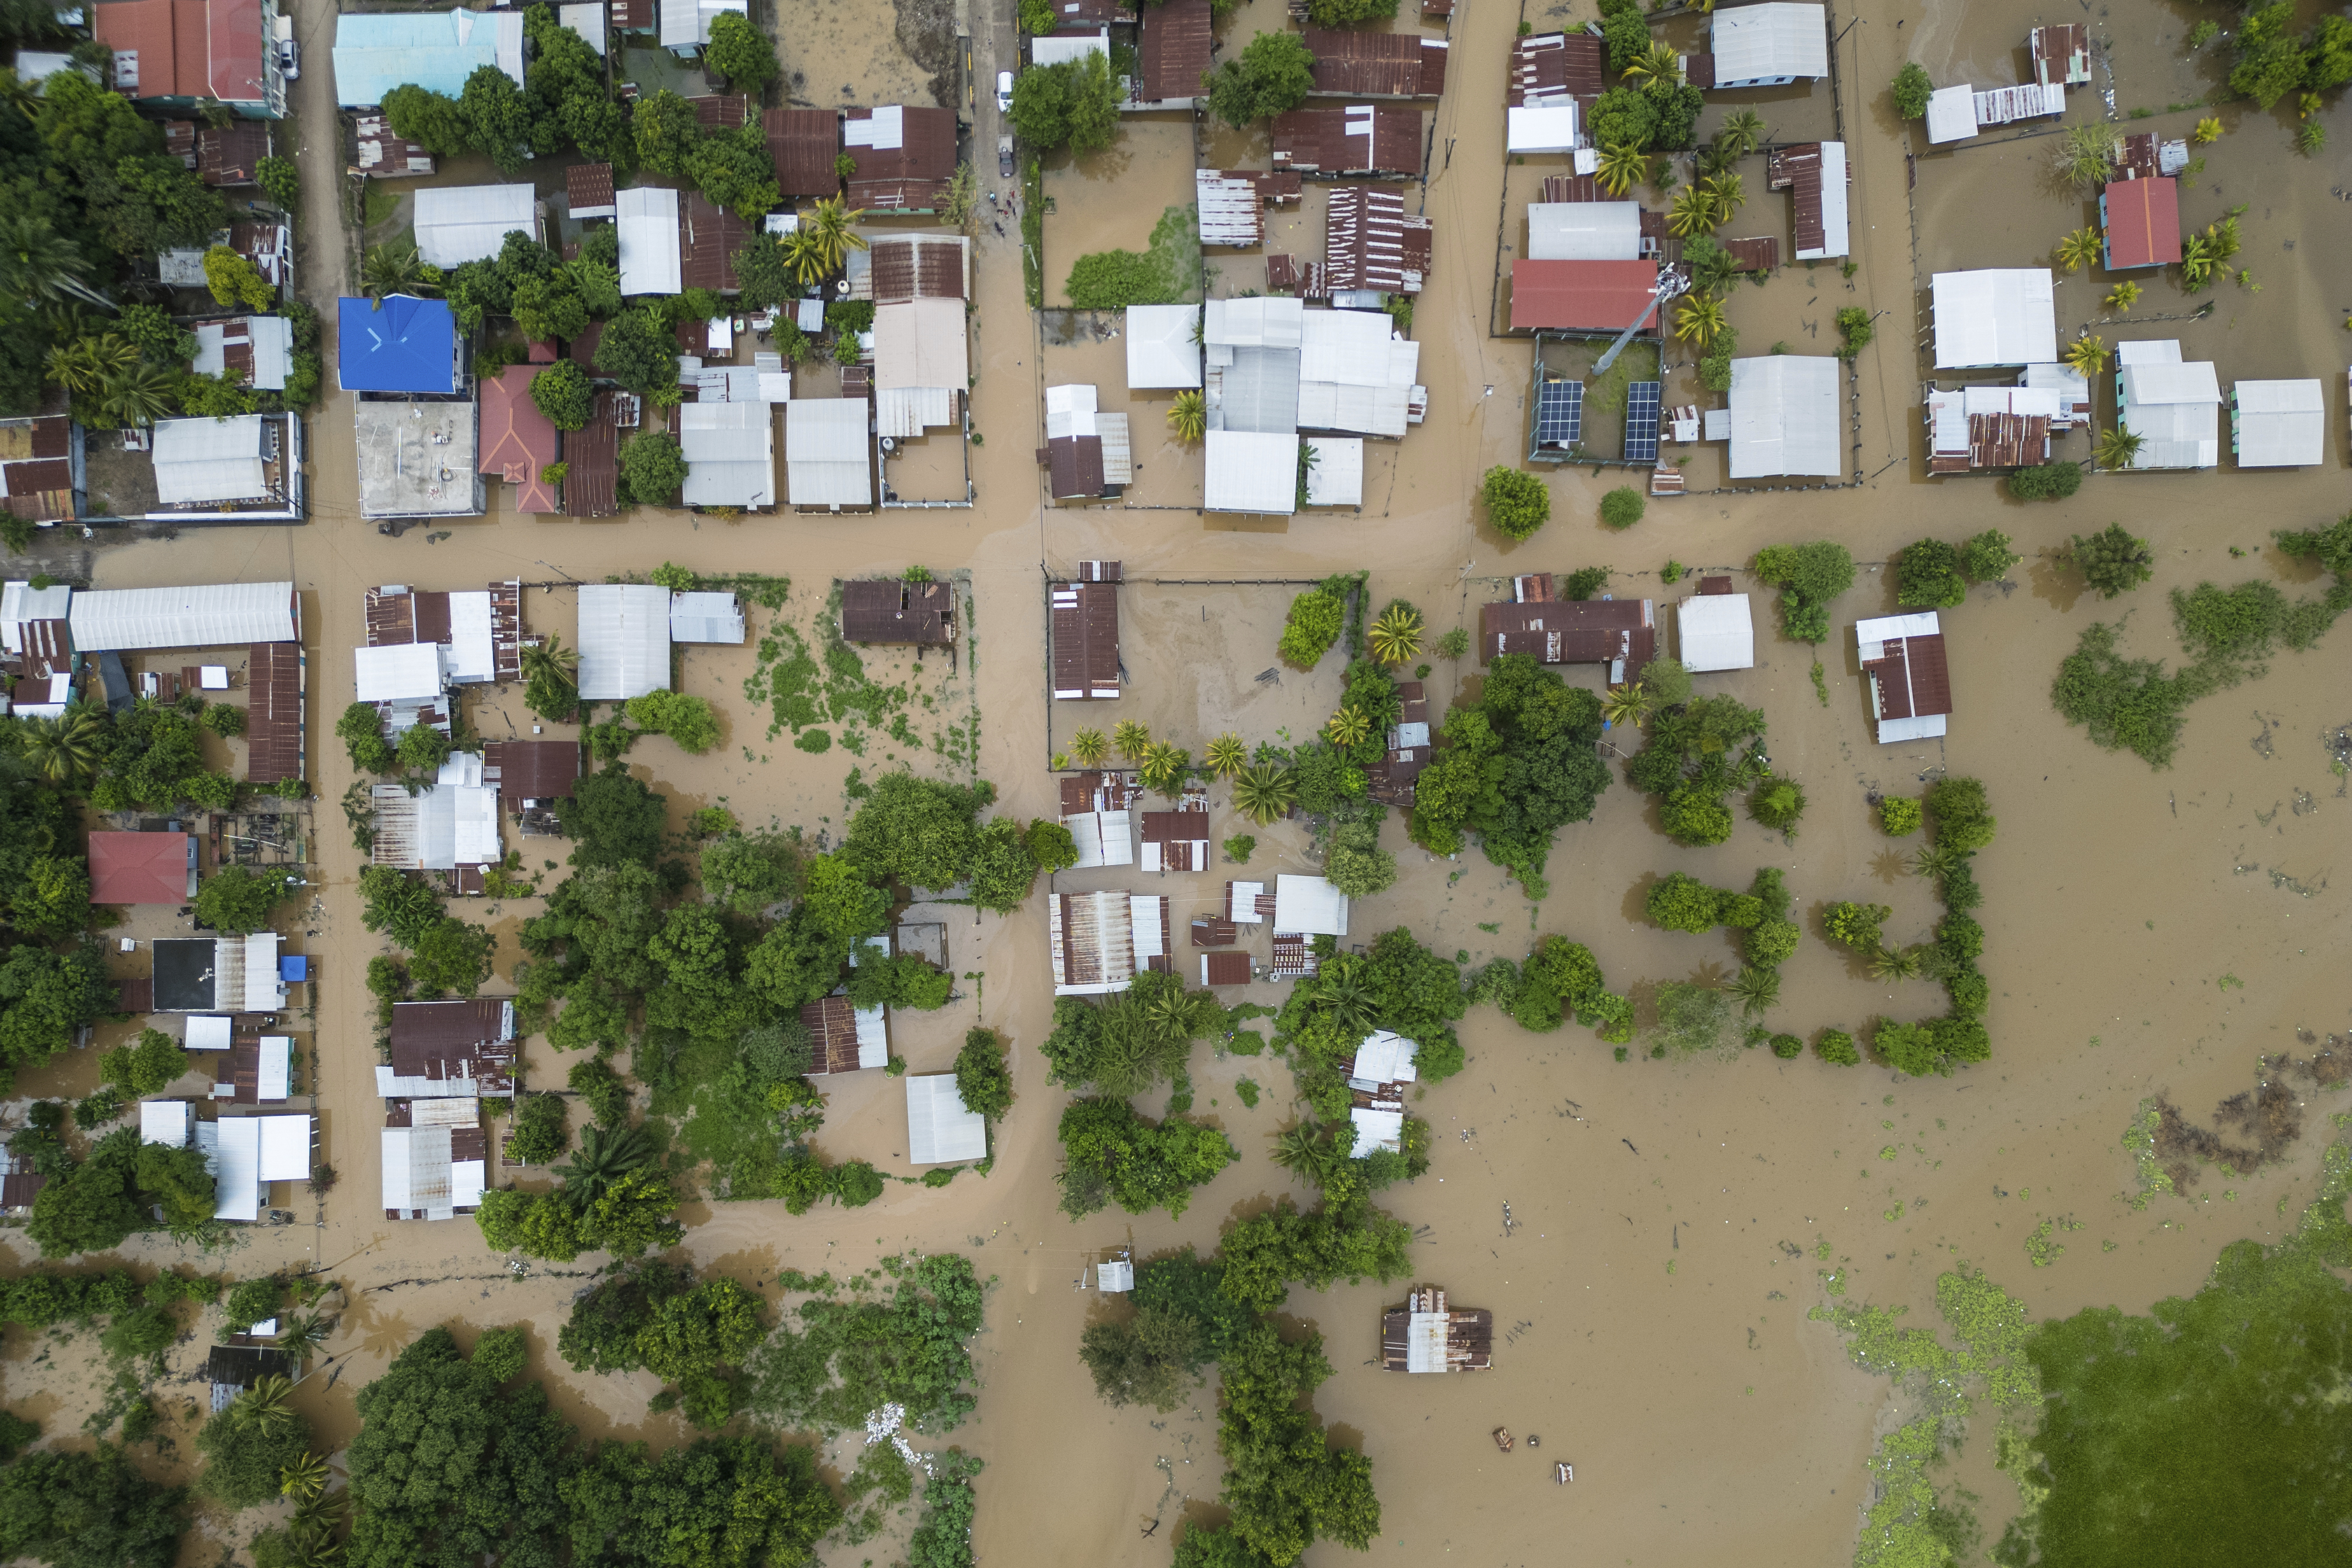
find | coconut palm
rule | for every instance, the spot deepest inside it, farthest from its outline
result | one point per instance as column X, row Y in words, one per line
column 1894, row 963
column 2123, row 296
column 1350, row 1002
column 87, row 364
column 1622, row 166
column 1628, row 705
column 312, row 1544
column 2118, row 448
column 36, row 262
column 828, row 224
column 2310, row 138
column 23, row 97
column 1164, row 766
column 303, row 1330
column 803, row 256
column 1396, row 634
column 265, row 1406
column 550, row 660
column 390, row 270
column 1133, row 740
column 63, row 749
column 1728, row 193
column 1302, row 1151
column 604, row 1157
column 1265, row 791
column 2207, row 128
column 1756, row 989
column 141, row 396
column 1089, row 747
column 2086, row 154
column 1698, row 319
column 2087, row 356
column 1347, row 727
column 305, row 1478
column 1693, row 211
column 1226, row 755
column 2079, row 249
column 1740, row 135
column 1188, row 417
column 1937, row 860
column 1661, row 64
column 2197, row 262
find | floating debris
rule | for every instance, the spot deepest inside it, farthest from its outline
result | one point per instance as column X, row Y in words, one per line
column 1503, row 1438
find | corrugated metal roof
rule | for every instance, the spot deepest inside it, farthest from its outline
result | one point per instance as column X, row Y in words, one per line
column 1172, row 51
column 1584, row 231
column 940, row 1131
column 828, row 453
column 708, row 242
column 1251, row 471
column 222, row 615
column 202, row 461
column 1366, row 138
column 1084, row 617
column 1785, row 417
column 730, row 454
column 891, row 611
column 1548, row 67
column 374, row 53
column 532, row 769
column 1393, row 64
column 1760, row 43
column 1229, row 208
column 1160, row 347
column 2143, row 222
column 921, row 343
column 1583, row 296
column 274, row 735
column 592, row 455
column 650, row 240
column 588, row 190
column 1994, row 317
column 705, row 618
column 623, row 640
column 903, row 268
column 804, row 143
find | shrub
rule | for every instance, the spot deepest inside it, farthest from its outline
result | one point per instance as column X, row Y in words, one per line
column 360, row 729
column 1517, row 503
column 1788, row 1047
column 983, row 1079
column 1313, row 624
column 1240, row 847
column 1694, row 817
column 1853, row 324
column 1987, row 558
column 1911, row 90
column 1928, row 576
column 1778, row 804
column 1899, row 815
column 1682, row 902
column 1273, row 73
column 1962, row 821
column 2053, row 480
column 2112, row 561
column 1585, row 581
column 686, row 720
column 1666, row 681
column 222, row 720
column 1771, row 941
column 1810, row 576
column 1856, row 925
column 1837, row 1046
column 1622, row 507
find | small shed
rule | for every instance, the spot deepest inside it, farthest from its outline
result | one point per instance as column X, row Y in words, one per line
column 894, row 610
column 1226, row 968
column 623, row 640
column 233, row 1369
column 217, row 974
column 588, row 187
column 1910, row 683
column 844, row 1038
column 143, row 867
column 1715, row 633
column 940, row 1131
column 1951, row 114
column 531, row 773
column 1425, row 1335
column 2061, row 54
column 2272, row 425
column 705, row 618
column 1377, row 1128
column 1384, row 1058
column 164, row 1121
column 1176, row 840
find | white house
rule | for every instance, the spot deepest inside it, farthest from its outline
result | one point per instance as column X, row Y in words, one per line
column 1770, row 45
column 1784, row 416
column 2277, row 424
column 623, row 640
column 2173, row 408
column 1309, row 906
column 940, row 1131
column 1994, row 317
column 456, row 223
column 1163, row 346
column 1715, row 632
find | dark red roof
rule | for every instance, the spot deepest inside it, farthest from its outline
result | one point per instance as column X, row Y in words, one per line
column 139, row 867
column 1582, row 296
column 1172, row 50
column 592, row 455
column 1076, row 465
column 1085, row 639
column 532, row 769
column 804, row 143
column 722, row 111
column 1225, row 968
column 1318, row 140
column 1552, row 65
column 887, row 610
column 709, row 236
column 2143, row 222
column 273, row 706
column 1570, row 631
column 1376, row 65
column 229, row 155
column 916, row 266
column 1911, row 677
column 588, row 186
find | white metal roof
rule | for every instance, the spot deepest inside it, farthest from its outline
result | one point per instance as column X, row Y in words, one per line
column 1370, row 410
column 440, row 827
column 1997, row 316
column 21, row 601
column 163, row 1121
column 1268, row 321
column 1758, row 43
column 1310, row 905
column 587, row 20
column 2149, row 351
column 828, row 452
column 1118, row 449
column 1377, row 1129
column 206, row 1032
column 1161, row 351
column 2279, row 423
column 472, row 655
column 1584, row 231
column 1835, row 239
column 1251, row 471
column 1244, row 898
column 264, row 992
column 623, row 640
column 1058, row 48
column 1336, row 476
column 1104, row 839
column 1716, row 633
column 399, row 672
column 1352, row 348
column 1071, row 410
column 1784, row 416
column 2153, row 384
column 940, row 1131
column 457, row 224
column 237, row 1166
column 200, row 460
column 274, row 1077
column 706, row 618
column 687, row 23
column 285, row 1152
column 1229, row 209
column 416, row 1170
column 730, row 454
column 221, row 614
column 1385, row 1056
column 646, row 216
column 921, row 343
column 2175, row 411
column 1146, row 935
column 1951, row 114
column 1541, row 128
column 1871, row 636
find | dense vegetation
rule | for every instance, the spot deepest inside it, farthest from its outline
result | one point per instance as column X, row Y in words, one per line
column 1809, row 577
column 1933, row 575
column 1515, row 768
column 1698, row 752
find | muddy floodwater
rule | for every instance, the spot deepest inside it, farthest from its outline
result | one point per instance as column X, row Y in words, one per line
column 1648, row 1234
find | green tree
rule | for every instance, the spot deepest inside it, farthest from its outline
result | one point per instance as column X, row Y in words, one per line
column 984, row 1082
column 741, row 53
column 749, row 872
column 237, row 900
column 243, row 1456
column 1273, row 74
column 1114, row 1153
column 1073, row 104
column 1680, row 902
column 1356, row 864
column 94, row 1509
column 1517, row 503
column 562, row 393
column 1313, row 624
column 652, row 468
column 919, row 832
column 2112, row 561
column 146, row 1066
column 46, row 998
column 638, row 349
column 1928, row 575
column 540, row 1132
column 2053, row 480
column 1148, row 1361
column 1911, row 90
column 1987, row 557
column 1622, row 507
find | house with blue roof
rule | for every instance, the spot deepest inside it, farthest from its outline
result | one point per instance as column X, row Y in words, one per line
column 375, row 53
column 400, row 345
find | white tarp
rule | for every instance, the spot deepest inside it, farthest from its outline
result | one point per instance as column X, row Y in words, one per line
column 163, row 1121
column 1541, row 128
column 646, row 216
column 285, row 1154
column 1309, row 906
column 884, row 129
column 1162, row 350
column 1716, row 633
column 940, row 1131
column 274, row 1072
column 456, row 223
column 202, row 461
column 1251, row 471
column 623, row 640
column 236, row 1165
column 222, row 615
column 2278, row 423
column 399, row 672
column 1584, row 231
column 1997, row 316
column 828, row 452
column 1951, row 114
column 1771, row 43
column 1336, row 476
column 1784, row 416
column 472, row 656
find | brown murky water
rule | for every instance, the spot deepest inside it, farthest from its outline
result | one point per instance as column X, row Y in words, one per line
column 1706, row 1417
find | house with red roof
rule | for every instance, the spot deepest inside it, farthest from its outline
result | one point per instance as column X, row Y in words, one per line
column 1583, row 296
column 517, row 441
column 2142, row 223
column 175, row 54
column 141, row 868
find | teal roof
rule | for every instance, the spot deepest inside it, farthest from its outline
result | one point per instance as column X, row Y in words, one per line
column 375, row 53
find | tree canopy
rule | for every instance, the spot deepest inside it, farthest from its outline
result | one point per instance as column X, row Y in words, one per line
column 1513, row 769
column 1274, row 73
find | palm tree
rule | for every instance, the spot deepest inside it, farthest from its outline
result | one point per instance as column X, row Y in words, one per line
column 1693, row 211
column 390, row 270
column 304, row 1330
column 2118, row 448
column 604, row 1157
column 1628, row 705
column 39, row 263
column 1188, row 417
column 1302, row 1151
column 1698, row 319
column 64, row 750
column 23, row 97
column 2085, row 154
column 1396, row 634
column 1661, row 65
column 1622, row 166
column 2087, row 356
column 1133, row 740
column 1894, row 963
column 2079, row 249
column 1164, row 766
column 311, row 1545
column 265, row 1406
column 1265, row 791
column 141, row 396
column 549, row 659
column 1226, row 755
column 305, row 1479
column 87, row 364
column 2123, row 296
column 2207, row 128
column 828, row 223
column 804, row 255
column 1740, row 135
column 1938, row 862
column 1351, row 1005
column 1756, row 989
column 1089, row 747
column 1728, row 193
column 1347, row 727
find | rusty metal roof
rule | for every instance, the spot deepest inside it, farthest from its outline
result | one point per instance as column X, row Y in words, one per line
column 590, row 186
column 229, row 155
column 1370, row 241
column 708, row 238
column 721, row 110
column 1389, row 65
column 1172, row 51
column 1912, row 679
column 274, row 728
column 1555, row 65
column 804, row 143
column 1086, row 640
column 1571, row 631
column 917, row 266
column 593, row 456
column 888, row 610
column 1385, row 139
column 532, row 769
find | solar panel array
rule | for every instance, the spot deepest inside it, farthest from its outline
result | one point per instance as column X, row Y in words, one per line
column 1560, row 413
column 1641, row 401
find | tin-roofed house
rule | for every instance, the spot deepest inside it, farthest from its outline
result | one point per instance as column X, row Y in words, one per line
column 518, row 443
column 532, row 776
column 1554, row 80
column 222, row 615
column 1994, row 317
column 1584, row 297
column 244, row 469
column 1177, row 840
column 2173, row 408
column 276, row 733
column 939, row 1129
column 1085, row 619
column 436, row 1155
column 2139, row 222
column 176, row 55
column 706, row 618
column 623, row 640
column 1101, row 941
column 1816, row 176
column 450, row 825
column 1713, row 631
column 1173, row 55
column 2061, row 54
column 229, row 156
column 651, row 259
column 802, row 144
column 904, row 157
column 2277, row 424
column 462, row 1049
column 588, row 191
column 261, row 347
column 478, row 632
column 1098, row 810
column 892, row 610
column 1425, row 1335
column 1163, row 346
column 592, row 455
column 828, row 454
column 1975, row 429
column 1353, row 63
column 43, row 468
column 1910, row 684
column 374, row 53
column 456, row 223
column 1785, row 417
column 143, row 867
column 1370, row 243
column 1087, row 454
column 1768, row 44
column 843, row 1036
column 730, row 455
column 217, row 973
column 922, row 366
column 1621, row 634
column 1380, row 139
column 233, row 1369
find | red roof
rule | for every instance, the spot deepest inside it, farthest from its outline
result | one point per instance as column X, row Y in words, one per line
column 185, row 49
column 2143, row 222
column 139, row 867
column 517, row 441
column 804, row 143
column 1582, row 296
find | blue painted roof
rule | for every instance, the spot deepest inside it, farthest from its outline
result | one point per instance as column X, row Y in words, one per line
column 408, row 345
column 375, row 53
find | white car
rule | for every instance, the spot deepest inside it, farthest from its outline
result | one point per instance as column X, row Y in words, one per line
column 1003, row 92
column 289, row 58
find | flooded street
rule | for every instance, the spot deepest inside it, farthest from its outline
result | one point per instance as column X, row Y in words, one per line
column 1648, row 1234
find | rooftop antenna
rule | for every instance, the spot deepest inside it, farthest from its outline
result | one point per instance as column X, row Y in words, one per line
column 1671, row 282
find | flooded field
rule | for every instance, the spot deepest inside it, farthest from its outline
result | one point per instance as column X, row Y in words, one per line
column 2149, row 935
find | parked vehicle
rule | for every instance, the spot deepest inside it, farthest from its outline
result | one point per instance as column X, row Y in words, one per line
column 1004, row 157
column 290, row 58
column 1003, row 92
